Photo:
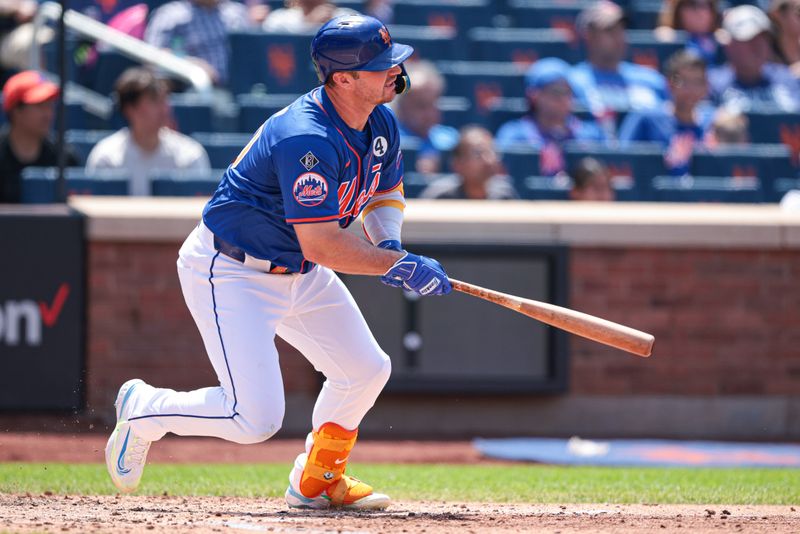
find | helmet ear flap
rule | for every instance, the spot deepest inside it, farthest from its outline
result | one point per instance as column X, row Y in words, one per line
column 402, row 83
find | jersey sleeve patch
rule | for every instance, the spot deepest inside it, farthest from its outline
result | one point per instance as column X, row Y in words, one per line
column 310, row 189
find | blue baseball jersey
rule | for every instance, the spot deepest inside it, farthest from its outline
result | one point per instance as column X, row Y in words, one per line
column 303, row 165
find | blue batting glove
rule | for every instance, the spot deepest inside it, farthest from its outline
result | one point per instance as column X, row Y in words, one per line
column 419, row 274
column 391, row 244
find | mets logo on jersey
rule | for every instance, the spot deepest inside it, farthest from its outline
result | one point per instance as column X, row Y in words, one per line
column 310, row 189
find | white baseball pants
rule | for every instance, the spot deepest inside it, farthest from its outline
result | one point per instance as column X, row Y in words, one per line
column 238, row 311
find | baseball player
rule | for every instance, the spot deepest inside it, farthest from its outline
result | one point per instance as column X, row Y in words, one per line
column 262, row 262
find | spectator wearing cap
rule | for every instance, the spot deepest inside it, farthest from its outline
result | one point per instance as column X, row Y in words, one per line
column 477, row 171
column 785, row 17
column 682, row 124
column 29, row 103
column 147, row 145
column 550, row 121
column 606, row 82
column 198, row 30
column 420, row 119
column 749, row 79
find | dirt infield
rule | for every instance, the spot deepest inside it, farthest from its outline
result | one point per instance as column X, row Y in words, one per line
column 52, row 513
column 116, row 514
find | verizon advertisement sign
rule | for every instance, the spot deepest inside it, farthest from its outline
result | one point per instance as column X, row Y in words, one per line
column 42, row 308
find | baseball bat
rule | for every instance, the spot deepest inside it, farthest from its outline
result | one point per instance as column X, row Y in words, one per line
column 581, row 324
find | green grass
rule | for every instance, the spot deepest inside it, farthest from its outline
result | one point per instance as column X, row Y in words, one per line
column 512, row 483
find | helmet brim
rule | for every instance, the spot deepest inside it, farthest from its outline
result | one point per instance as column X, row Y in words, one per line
column 389, row 58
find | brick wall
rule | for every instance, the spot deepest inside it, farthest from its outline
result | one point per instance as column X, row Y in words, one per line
column 139, row 326
column 725, row 323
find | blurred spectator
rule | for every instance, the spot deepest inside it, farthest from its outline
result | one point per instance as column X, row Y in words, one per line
column 591, row 181
column 477, row 171
column 682, row 124
column 699, row 19
column 550, row 121
column 16, row 35
column 749, row 78
column 785, row 17
column 198, row 30
column 147, row 145
column 606, row 82
column 303, row 15
column 791, row 201
column 419, row 116
column 29, row 103
column 729, row 127
column 383, row 10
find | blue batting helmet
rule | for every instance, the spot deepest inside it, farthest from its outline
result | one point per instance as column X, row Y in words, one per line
column 358, row 42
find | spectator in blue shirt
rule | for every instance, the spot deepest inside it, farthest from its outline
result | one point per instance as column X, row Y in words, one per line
column 550, row 121
column 699, row 19
column 198, row 30
column 680, row 125
column 749, row 79
column 606, row 82
column 420, row 119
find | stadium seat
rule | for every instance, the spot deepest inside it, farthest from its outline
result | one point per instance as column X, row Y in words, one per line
column 255, row 109
column 645, row 49
column 414, row 182
column 222, row 148
column 456, row 111
column 483, row 82
column 706, row 189
column 558, row 188
column 81, row 118
column 39, row 184
column 632, row 169
column 409, row 147
column 780, row 187
column 82, row 141
column 110, row 64
column 429, row 42
column 520, row 162
column 186, row 183
column 768, row 163
column 271, row 62
column 643, row 14
column 544, row 187
column 775, row 126
column 522, row 45
column 503, row 110
column 546, row 14
column 460, row 15
column 193, row 113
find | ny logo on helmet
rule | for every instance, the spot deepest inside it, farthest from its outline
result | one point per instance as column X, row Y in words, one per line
column 385, row 36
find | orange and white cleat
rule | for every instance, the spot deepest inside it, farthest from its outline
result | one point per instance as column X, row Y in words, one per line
column 318, row 481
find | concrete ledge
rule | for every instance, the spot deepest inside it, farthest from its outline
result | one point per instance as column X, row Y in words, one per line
column 588, row 224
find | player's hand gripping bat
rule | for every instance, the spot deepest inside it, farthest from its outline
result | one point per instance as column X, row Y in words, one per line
column 582, row 324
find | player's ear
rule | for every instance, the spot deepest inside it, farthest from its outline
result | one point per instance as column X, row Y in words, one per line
column 342, row 79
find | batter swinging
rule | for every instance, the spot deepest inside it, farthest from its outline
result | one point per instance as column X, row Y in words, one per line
column 262, row 262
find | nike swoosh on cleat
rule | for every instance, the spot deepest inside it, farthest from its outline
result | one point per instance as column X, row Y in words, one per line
column 121, row 469
column 127, row 395
column 299, row 496
column 339, row 461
